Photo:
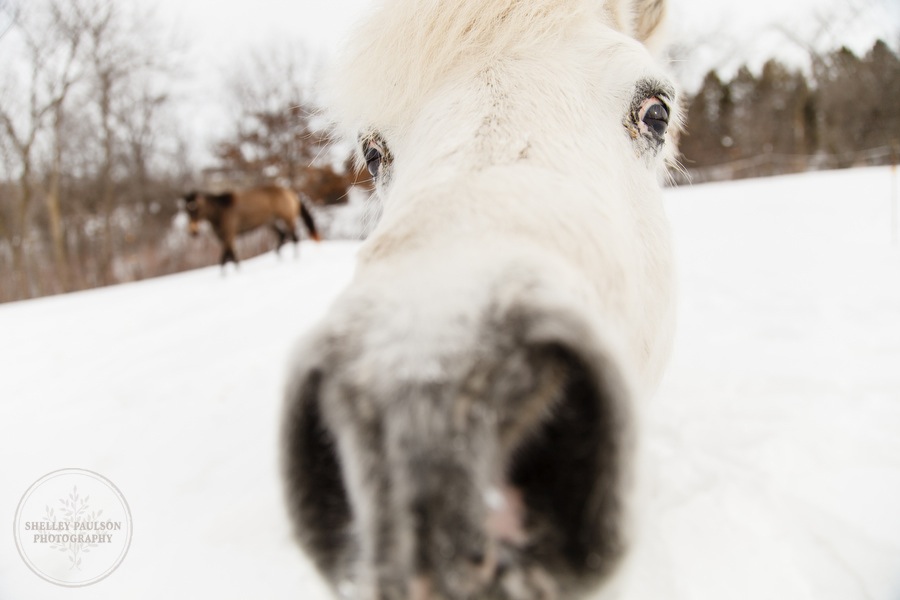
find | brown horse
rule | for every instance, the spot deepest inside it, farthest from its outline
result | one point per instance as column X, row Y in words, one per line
column 234, row 213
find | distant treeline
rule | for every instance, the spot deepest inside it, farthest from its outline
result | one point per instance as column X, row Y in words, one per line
column 94, row 150
column 843, row 113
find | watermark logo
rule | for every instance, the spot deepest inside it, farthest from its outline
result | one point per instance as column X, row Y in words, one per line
column 73, row 527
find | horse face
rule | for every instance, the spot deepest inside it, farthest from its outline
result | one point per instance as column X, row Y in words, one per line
column 462, row 423
column 193, row 206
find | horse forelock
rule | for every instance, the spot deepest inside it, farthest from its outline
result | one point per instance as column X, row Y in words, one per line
column 409, row 47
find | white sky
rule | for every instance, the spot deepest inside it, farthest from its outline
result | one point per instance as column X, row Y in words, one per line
column 215, row 25
column 216, row 32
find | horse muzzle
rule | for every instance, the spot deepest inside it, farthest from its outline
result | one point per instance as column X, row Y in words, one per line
column 484, row 457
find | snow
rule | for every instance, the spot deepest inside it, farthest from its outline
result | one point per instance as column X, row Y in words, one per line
column 773, row 444
column 776, row 436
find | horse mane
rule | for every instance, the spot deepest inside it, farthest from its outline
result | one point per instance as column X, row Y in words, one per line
column 408, row 49
column 224, row 199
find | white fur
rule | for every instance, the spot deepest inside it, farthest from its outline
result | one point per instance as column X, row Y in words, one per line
column 505, row 121
column 518, row 177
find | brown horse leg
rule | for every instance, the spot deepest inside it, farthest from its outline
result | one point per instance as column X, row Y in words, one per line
column 226, row 231
column 282, row 236
column 296, row 239
column 228, row 255
column 289, row 231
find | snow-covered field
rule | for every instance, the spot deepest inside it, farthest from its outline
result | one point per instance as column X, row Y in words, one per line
column 774, row 443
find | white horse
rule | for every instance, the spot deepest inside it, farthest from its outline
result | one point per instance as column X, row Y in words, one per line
column 464, row 421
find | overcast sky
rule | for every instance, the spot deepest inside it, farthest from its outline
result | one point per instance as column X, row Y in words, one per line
column 732, row 31
column 215, row 24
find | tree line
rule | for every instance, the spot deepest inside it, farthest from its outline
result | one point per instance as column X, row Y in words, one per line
column 842, row 112
column 94, row 152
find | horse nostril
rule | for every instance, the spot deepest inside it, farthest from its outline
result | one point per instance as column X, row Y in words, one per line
column 484, row 561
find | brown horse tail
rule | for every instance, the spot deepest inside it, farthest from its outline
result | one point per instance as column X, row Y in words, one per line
column 308, row 221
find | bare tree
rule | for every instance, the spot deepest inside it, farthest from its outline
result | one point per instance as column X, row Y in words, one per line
column 138, row 117
column 122, row 56
column 9, row 14
column 67, row 19
column 276, row 134
column 50, row 70
column 109, row 64
column 81, row 99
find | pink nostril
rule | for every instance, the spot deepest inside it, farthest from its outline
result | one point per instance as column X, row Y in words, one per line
column 419, row 588
column 506, row 515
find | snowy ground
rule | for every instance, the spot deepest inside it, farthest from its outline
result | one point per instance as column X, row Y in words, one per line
column 774, row 441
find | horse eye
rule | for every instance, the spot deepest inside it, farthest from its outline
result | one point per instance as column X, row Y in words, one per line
column 373, row 160
column 655, row 116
